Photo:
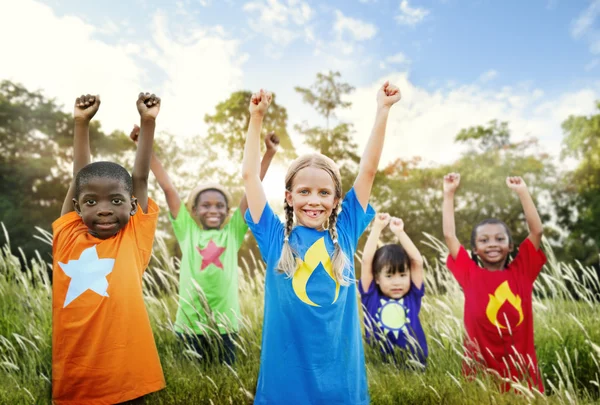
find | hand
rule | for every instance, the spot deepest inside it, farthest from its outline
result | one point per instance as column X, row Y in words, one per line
column 272, row 142
column 148, row 105
column 135, row 133
column 381, row 220
column 396, row 225
column 388, row 95
column 86, row 107
column 259, row 102
column 451, row 182
column 516, row 184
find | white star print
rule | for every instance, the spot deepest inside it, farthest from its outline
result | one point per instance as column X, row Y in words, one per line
column 87, row 273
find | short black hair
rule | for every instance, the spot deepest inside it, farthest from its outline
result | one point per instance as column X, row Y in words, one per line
column 211, row 189
column 392, row 256
column 103, row 169
column 491, row 221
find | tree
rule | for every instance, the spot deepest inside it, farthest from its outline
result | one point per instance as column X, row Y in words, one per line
column 415, row 193
column 578, row 195
column 36, row 149
column 228, row 125
column 325, row 95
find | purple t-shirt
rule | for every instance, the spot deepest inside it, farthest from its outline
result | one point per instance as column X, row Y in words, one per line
column 396, row 320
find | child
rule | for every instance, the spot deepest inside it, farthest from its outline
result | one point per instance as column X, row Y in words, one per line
column 392, row 303
column 311, row 343
column 209, row 260
column 498, row 293
column 103, row 350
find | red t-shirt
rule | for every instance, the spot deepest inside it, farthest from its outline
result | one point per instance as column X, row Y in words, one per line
column 499, row 315
column 103, row 350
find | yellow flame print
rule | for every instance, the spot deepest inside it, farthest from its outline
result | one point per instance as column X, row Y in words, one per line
column 502, row 294
column 316, row 254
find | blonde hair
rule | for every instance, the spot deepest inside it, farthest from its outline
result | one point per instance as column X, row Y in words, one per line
column 287, row 263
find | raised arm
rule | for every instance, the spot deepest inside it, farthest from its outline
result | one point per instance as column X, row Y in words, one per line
column 272, row 143
column 84, row 110
column 517, row 184
column 255, row 194
column 366, row 273
column 148, row 106
column 164, row 181
column 387, row 96
column 416, row 260
column 451, row 182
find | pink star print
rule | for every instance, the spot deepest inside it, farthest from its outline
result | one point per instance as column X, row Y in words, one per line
column 210, row 254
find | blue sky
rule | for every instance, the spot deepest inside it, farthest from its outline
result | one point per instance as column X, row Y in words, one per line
column 456, row 40
column 458, row 63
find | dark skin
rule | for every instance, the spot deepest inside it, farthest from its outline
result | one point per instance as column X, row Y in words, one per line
column 171, row 194
column 492, row 246
column 211, row 209
column 105, row 206
column 86, row 106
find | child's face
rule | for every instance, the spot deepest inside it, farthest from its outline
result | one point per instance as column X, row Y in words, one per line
column 492, row 245
column 393, row 285
column 105, row 206
column 211, row 209
column 312, row 197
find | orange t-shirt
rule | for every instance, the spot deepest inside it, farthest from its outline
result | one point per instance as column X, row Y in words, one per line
column 103, row 350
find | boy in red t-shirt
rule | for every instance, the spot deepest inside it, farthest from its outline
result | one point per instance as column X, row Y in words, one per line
column 498, row 293
column 103, row 350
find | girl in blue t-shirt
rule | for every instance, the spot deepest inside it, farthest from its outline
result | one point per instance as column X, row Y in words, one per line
column 311, row 342
column 391, row 288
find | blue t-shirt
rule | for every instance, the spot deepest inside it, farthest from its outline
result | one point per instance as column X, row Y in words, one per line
column 312, row 351
column 395, row 322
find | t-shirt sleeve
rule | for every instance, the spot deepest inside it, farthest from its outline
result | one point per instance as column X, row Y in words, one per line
column 62, row 231
column 461, row 267
column 182, row 225
column 353, row 219
column 529, row 261
column 237, row 227
column 370, row 297
column 268, row 232
column 143, row 225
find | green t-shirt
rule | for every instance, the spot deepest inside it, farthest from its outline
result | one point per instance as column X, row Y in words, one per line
column 209, row 258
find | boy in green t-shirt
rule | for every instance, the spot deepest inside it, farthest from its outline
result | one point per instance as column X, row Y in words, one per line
column 209, row 259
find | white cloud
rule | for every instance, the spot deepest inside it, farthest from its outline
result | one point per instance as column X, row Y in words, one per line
column 357, row 29
column 488, row 76
column 282, row 22
column 68, row 60
column 424, row 123
column 583, row 26
column 398, row 59
column 410, row 16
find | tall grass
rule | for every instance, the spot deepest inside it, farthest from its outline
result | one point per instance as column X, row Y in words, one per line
column 567, row 337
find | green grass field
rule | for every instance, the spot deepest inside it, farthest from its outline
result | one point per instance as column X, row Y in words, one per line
column 567, row 332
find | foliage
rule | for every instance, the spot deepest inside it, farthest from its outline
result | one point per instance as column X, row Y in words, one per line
column 36, row 152
column 567, row 340
column 578, row 194
column 410, row 191
column 325, row 95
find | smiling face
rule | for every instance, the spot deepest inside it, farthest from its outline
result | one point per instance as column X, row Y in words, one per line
column 393, row 284
column 211, row 209
column 492, row 244
column 312, row 196
column 105, row 206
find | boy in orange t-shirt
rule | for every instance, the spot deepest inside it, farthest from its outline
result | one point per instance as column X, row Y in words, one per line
column 103, row 351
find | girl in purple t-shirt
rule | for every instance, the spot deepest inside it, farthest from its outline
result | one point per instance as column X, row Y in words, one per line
column 391, row 288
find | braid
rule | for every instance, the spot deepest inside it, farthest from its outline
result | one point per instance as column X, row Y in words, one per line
column 339, row 261
column 287, row 263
